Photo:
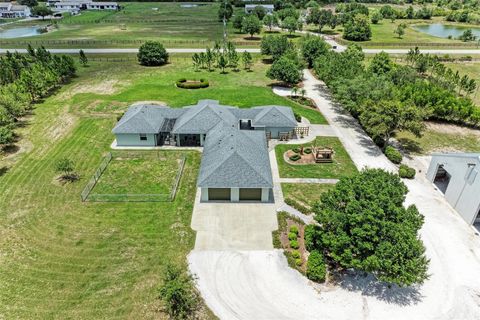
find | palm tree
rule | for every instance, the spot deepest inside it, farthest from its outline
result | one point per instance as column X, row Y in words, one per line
column 294, row 91
column 303, row 92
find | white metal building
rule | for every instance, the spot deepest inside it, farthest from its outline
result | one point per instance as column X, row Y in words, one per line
column 457, row 176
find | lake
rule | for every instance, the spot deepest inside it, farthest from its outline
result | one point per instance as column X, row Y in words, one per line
column 445, row 30
column 19, row 32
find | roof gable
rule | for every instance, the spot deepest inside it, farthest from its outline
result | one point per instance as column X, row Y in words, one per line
column 274, row 116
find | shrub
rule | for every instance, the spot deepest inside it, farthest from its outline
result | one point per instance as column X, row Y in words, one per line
column 292, row 236
column 307, row 150
column 152, row 53
column 296, row 150
column 295, row 157
column 297, row 206
column 294, row 229
column 298, row 262
column 406, row 172
column 316, row 268
column 182, row 83
column 297, row 117
column 393, row 154
column 294, row 244
column 296, row 254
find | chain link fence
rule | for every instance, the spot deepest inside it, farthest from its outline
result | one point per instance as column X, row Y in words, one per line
column 87, row 194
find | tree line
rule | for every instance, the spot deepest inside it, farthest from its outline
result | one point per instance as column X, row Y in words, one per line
column 24, row 80
column 221, row 57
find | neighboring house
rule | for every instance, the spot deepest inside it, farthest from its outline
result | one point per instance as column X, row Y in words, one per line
column 8, row 10
column 82, row 5
column 250, row 7
column 457, row 176
column 235, row 164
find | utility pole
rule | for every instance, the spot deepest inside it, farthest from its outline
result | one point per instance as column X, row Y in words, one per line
column 224, row 24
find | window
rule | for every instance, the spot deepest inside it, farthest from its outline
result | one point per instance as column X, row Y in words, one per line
column 143, row 136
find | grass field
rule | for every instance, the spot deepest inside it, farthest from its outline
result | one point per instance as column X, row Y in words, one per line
column 170, row 23
column 305, row 193
column 341, row 166
column 62, row 258
column 146, row 172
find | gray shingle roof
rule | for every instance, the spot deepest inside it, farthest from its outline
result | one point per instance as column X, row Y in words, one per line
column 145, row 119
column 235, row 158
column 202, row 117
column 274, row 116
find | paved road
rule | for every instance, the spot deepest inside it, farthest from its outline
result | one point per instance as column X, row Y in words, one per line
column 251, row 50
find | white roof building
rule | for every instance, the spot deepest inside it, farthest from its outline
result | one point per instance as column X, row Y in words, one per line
column 9, row 10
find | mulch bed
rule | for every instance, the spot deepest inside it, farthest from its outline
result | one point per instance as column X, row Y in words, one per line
column 304, row 101
column 305, row 158
column 301, row 241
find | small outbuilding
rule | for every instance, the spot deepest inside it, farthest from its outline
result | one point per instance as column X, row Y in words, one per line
column 456, row 175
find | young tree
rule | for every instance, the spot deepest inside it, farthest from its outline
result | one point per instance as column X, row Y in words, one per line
column 313, row 47
column 41, row 11
column 83, row 58
column 152, row 53
column 270, row 20
column 291, row 24
column 209, row 58
column 222, row 62
column 260, row 12
column 225, row 10
column 179, row 294
column 400, row 30
column 383, row 119
column 247, row 60
column 66, row 167
column 366, row 226
column 196, row 61
column 357, row 29
column 286, row 70
column 251, row 25
column 233, row 59
column 237, row 21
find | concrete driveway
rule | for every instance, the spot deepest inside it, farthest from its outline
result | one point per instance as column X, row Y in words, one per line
column 234, row 226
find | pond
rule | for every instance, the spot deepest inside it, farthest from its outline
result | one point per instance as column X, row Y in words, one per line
column 20, row 32
column 445, row 30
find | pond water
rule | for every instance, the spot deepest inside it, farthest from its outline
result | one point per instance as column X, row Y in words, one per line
column 445, row 30
column 19, row 32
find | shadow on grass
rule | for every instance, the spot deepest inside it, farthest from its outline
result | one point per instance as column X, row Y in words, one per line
column 369, row 286
column 3, row 170
column 409, row 145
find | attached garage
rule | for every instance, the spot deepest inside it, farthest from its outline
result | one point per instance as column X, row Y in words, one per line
column 219, row 194
column 250, row 194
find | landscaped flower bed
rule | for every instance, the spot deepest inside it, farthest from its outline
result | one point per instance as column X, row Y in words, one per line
column 304, row 101
column 192, row 84
column 299, row 156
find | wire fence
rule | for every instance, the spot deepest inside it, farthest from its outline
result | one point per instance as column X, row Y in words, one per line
column 87, row 194
column 474, row 44
column 132, row 42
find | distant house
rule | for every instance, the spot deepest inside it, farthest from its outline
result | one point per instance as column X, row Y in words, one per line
column 249, row 8
column 235, row 164
column 9, row 10
column 77, row 5
column 457, row 176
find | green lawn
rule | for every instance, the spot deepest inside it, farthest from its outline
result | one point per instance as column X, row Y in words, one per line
column 63, row 258
column 140, row 173
column 341, row 166
column 172, row 24
column 305, row 194
column 472, row 69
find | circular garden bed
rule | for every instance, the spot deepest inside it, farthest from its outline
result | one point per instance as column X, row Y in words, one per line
column 192, row 84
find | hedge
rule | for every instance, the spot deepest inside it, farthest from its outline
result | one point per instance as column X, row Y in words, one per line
column 182, row 83
column 393, row 154
column 316, row 267
column 297, row 206
column 295, row 157
column 406, row 172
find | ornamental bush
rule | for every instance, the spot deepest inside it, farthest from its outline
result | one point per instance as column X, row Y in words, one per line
column 307, row 150
column 296, row 150
column 298, row 262
column 294, row 244
column 296, row 254
column 316, row 268
column 294, row 229
column 295, row 157
column 152, row 53
column 292, row 236
column 185, row 84
column 393, row 154
column 406, row 172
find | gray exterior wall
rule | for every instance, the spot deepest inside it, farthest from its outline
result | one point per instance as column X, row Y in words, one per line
column 133, row 140
column 463, row 191
column 234, row 192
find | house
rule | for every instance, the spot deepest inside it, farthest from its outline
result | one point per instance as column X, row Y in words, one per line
column 249, row 8
column 456, row 175
column 150, row 125
column 9, row 10
column 235, row 164
column 77, row 5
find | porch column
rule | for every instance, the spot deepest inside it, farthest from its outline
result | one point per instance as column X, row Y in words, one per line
column 178, row 140
column 204, row 195
column 234, row 194
column 202, row 139
column 265, row 194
